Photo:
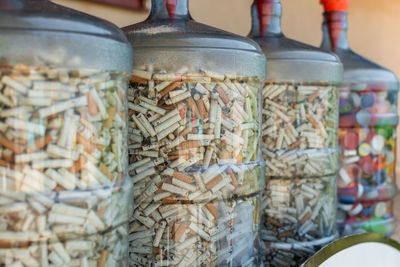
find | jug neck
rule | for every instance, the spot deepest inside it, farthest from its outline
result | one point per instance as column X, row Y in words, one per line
column 266, row 18
column 169, row 10
column 335, row 31
column 19, row 4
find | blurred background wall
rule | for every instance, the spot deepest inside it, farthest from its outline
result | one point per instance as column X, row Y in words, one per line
column 374, row 25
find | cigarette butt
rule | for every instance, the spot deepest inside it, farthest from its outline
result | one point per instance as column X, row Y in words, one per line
column 11, row 145
column 225, row 155
column 159, row 190
column 314, row 96
column 119, row 177
column 305, row 217
column 170, row 107
column 78, row 165
column 156, row 251
column 173, row 157
column 40, row 142
column 169, row 200
column 106, row 172
column 179, row 232
column 9, row 158
column 6, row 164
column 5, row 244
column 222, row 94
column 87, row 145
column 190, row 144
column 202, row 109
column 214, row 182
column 122, row 115
column 285, row 234
column 313, row 121
column 233, row 177
column 193, row 106
column 111, row 114
column 295, row 145
column 183, row 177
column 239, row 158
column 103, row 258
column 211, row 208
column 136, row 79
column 121, row 96
column 91, row 104
column 169, row 88
column 185, row 132
column 274, row 222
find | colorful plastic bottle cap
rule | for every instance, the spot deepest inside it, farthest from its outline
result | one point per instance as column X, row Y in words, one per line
column 367, row 101
column 345, row 177
column 371, row 194
column 355, row 100
column 364, row 149
column 351, row 160
column 381, row 96
column 367, row 211
column 347, row 120
column 346, row 207
column 367, row 165
column 360, row 190
column 380, row 209
column 380, row 177
column 350, row 153
column 350, row 141
column 353, row 171
column 363, row 117
column 348, row 199
column 356, row 210
column 385, row 131
column 347, row 108
column 380, row 162
column 377, row 144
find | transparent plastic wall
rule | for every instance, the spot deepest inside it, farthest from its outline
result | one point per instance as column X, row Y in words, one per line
column 194, row 135
column 367, row 135
column 299, row 142
column 65, row 196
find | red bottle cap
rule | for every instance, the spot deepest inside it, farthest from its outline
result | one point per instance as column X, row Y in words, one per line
column 264, row 9
column 171, row 7
column 347, row 120
column 350, row 141
column 354, row 171
column 335, row 19
column 335, row 5
column 367, row 165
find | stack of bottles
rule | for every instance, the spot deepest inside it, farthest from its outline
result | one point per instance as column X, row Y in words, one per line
column 65, row 197
column 367, row 135
column 299, row 142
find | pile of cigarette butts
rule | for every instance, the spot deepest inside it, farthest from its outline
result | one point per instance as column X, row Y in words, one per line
column 196, row 168
column 190, row 193
column 299, row 134
column 65, row 197
column 299, row 130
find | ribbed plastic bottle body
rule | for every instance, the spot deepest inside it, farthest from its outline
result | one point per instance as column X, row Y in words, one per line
column 299, row 142
column 195, row 101
column 367, row 136
column 66, row 195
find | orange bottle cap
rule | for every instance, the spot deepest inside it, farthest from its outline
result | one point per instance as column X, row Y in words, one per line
column 335, row 5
